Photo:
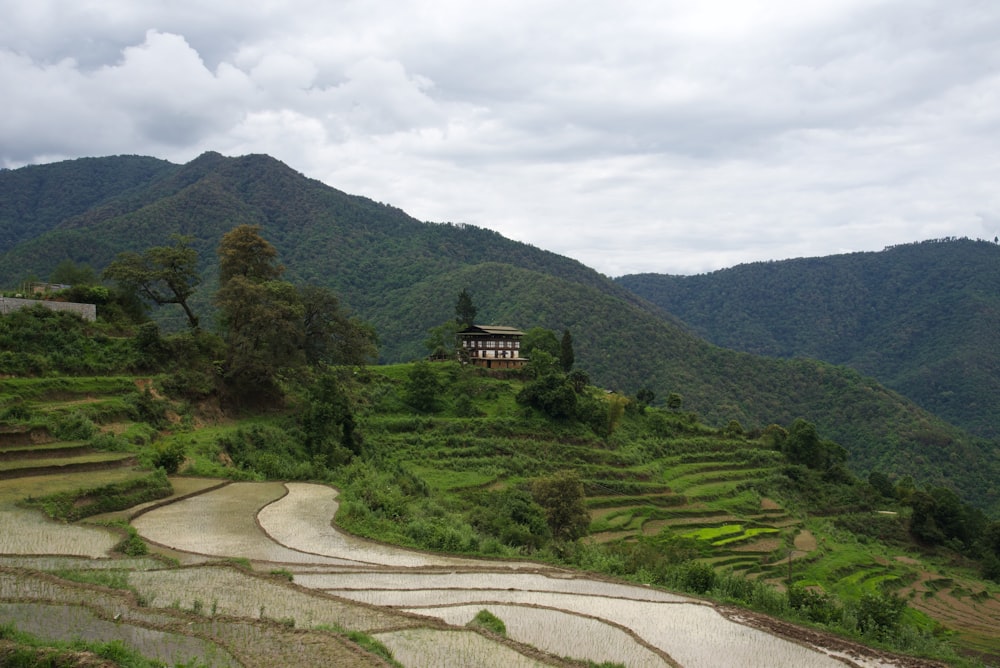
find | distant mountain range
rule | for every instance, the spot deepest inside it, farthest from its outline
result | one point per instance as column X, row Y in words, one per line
column 922, row 318
column 404, row 276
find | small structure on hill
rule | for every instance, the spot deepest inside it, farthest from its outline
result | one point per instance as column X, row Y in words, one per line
column 492, row 346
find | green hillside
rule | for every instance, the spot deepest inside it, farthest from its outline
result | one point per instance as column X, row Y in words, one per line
column 36, row 199
column 923, row 319
column 664, row 499
column 402, row 276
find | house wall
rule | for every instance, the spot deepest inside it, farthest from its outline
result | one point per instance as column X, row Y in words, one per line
column 85, row 311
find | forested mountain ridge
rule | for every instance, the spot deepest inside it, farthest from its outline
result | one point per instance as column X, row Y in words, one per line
column 923, row 318
column 38, row 198
column 403, row 275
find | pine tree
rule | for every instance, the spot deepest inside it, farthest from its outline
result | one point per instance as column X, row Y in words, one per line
column 465, row 310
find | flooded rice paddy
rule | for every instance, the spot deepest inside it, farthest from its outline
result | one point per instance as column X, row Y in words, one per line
column 416, row 604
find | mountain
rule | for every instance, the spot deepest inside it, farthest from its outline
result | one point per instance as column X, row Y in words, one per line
column 923, row 318
column 404, row 275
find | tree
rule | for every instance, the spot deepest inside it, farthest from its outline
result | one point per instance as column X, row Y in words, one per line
column 579, row 379
column 552, row 394
column 465, row 311
column 162, row 275
column 423, row 387
column 330, row 336
column 880, row 483
column 263, row 334
column 734, row 429
column 68, row 272
column 674, row 401
column 566, row 356
column 328, row 424
column 271, row 327
column 539, row 338
column 441, row 340
column 561, row 496
column 541, row 363
column 262, row 316
column 244, row 252
column 644, row 397
column 803, row 445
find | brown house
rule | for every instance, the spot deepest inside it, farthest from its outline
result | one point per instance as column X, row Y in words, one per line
column 491, row 346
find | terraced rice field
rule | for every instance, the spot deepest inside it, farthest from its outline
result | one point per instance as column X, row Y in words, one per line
column 416, row 604
column 707, row 499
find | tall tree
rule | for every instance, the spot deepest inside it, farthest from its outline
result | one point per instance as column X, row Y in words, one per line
column 561, row 496
column 330, row 335
column 163, row 274
column 566, row 356
column 263, row 334
column 465, row 310
column 244, row 252
column 262, row 316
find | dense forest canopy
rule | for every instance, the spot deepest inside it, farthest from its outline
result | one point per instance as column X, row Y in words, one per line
column 922, row 318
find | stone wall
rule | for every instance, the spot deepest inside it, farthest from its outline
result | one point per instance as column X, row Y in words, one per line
column 85, row 311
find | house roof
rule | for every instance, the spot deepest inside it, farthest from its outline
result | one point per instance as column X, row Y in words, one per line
column 492, row 329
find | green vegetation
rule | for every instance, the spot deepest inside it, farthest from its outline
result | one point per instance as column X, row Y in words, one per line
column 921, row 318
column 30, row 652
column 485, row 619
column 75, row 505
column 748, row 495
column 163, row 275
column 393, row 271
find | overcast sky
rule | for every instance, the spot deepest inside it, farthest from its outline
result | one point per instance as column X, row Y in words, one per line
column 666, row 136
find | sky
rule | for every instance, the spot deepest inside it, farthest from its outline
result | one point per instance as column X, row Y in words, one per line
column 664, row 136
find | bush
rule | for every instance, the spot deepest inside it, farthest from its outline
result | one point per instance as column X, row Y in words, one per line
column 879, row 614
column 144, row 407
column 75, row 505
column 485, row 619
column 132, row 545
column 271, row 452
column 513, row 518
column 698, row 578
column 16, row 413
column 109, row 442
column 815, row 606
column 73, row 427
column 169, row 458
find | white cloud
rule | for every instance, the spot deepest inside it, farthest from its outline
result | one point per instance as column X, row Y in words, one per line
column 635, row 136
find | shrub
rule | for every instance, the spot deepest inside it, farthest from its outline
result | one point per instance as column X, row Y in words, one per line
column 485, row 619
column 879, row 614
column 73, row 427
column 132, row 545
column 72, row 506
column 698, row 578
column 109, row 442
column 170, row 457
column 16, row 413
column 816, row 606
